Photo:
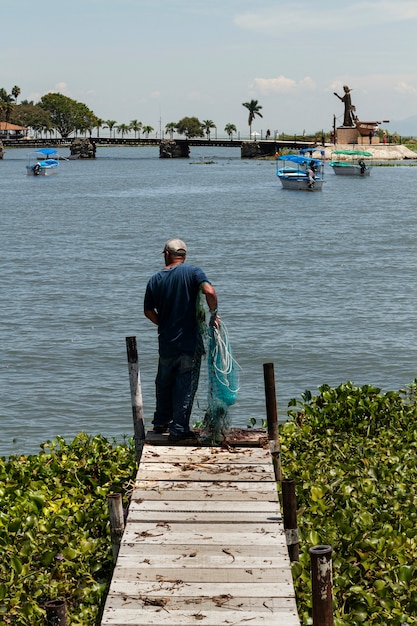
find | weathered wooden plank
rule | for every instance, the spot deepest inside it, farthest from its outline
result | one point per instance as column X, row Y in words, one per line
column 200, row 455
column 130, row 571
column 211, row 533
column 191, row 517
column 225, row 490
column 258, row 605
column 182, row 617
column 179, row 589
column 209, row 506
column 201, row 555
column 205, row 472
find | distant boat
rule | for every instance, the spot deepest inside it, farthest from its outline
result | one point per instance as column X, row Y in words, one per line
column 41, row 166
column 365, row 128
column 301, row 172
column 351, row 162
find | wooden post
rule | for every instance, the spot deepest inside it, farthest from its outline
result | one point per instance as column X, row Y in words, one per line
column 321, row 582
column 289, row 504
column 117, row 523
column 136, row 395
column 56, row 613
column 272, row 418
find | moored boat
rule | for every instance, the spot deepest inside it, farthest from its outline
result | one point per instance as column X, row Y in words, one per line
column 301, row 172
column 351, row 162
column 41, row 163
column 366, row 128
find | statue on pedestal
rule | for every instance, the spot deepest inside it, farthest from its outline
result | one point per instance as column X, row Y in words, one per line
column 349, row 117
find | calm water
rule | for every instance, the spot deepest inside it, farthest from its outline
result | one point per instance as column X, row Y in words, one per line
column 323, row 285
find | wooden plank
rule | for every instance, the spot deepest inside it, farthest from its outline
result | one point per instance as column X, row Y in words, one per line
column 216, row 574
column 179, row 589
column 204, row 472
column 174, row 454
column 215, row 533
column 184, row 616
column 209, row 506
column 191, row 517
column 198, row 556
column 266, row 604
column 225, row 490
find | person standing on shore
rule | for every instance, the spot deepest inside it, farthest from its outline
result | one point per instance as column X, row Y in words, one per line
column 170, row 302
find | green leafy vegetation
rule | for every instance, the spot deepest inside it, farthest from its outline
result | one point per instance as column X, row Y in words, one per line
column 54, row 528
column 352, row 453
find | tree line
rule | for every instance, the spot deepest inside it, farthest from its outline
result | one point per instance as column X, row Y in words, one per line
column 58, row 113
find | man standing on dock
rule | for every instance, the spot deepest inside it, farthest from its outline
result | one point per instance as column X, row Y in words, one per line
column 170, row 302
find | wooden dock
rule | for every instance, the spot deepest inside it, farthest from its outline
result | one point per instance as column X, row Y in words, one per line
column 204, row 542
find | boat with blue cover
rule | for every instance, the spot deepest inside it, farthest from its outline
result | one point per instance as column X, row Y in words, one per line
column 301, row 172
column 43, row 162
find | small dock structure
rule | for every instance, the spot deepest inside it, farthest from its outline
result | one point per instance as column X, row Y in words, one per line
column 204, row 541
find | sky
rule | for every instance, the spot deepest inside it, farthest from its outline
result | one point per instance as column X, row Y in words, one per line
column 157, row 61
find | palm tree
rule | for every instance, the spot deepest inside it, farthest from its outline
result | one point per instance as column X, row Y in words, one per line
column 147, row 130
column 110, row 125
column 15, row 92
column 98, row 124
column 254, row 109
column 170, row 128
column 123, row 128
column 6, row 103
column 230, row 129
column 136, row 126
column 206, row 126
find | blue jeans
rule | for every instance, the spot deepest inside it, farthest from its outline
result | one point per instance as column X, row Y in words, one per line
column 176, row 384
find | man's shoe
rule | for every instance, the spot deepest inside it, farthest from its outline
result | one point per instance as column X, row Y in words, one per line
column 159, row 430
column 190, row 438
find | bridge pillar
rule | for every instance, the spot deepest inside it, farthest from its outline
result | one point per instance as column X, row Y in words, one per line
column 170, row 149
column 258, row 149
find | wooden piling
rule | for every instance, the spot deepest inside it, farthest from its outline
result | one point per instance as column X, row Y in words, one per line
column 56, row 613
column 272, row 418
column 289, row 505
column 136, row 395
column 321, row 581
column 117, row 524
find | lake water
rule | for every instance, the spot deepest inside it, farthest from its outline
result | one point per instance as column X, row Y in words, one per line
column 323, row 285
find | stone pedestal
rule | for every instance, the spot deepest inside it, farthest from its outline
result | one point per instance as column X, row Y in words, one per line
column 364, row 141
column 347, row 135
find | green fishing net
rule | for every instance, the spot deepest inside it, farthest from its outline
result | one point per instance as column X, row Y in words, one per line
column 223, row 382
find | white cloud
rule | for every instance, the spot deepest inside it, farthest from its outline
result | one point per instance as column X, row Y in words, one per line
column 326, row 15
column 62, row 88
column 282, row 84
column 405, row 88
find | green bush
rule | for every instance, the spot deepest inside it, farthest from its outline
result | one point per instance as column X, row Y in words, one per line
column 54, row 529
column 352, row 453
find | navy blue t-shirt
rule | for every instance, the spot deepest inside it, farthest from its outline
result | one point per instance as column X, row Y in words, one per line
column 173, row 294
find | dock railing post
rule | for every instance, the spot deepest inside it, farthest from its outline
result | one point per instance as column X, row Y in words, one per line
column 136, row 395
column 272, row 418
column 56, row 613
column 321, row 584
column 117, row 522
column 289, row 505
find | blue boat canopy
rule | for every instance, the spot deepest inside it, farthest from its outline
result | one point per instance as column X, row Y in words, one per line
column 299, row 159
column 46, row 151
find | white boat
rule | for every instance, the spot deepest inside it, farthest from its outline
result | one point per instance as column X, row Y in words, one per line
column 301, row 172
column 351, row 162
column 41, row 163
